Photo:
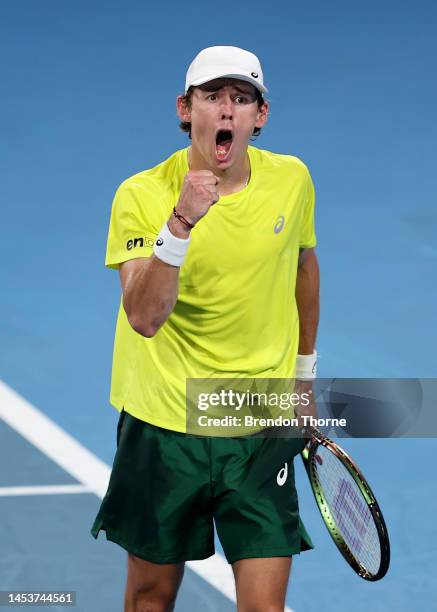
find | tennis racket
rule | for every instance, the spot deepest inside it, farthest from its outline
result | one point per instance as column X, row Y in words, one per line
column 348, row 507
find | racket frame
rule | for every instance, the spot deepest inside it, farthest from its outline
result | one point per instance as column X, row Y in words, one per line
column 317, row 439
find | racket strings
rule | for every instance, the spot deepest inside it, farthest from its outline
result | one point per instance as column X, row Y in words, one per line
column 349, row 509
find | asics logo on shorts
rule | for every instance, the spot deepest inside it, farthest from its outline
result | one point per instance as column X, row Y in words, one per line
column 282, row 475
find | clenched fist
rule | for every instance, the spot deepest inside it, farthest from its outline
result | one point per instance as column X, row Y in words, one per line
column 199, row 193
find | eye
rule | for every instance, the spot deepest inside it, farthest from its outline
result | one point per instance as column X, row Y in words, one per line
column 240, row 99
column 211, row 97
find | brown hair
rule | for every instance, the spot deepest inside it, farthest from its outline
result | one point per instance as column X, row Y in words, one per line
column 185, row 126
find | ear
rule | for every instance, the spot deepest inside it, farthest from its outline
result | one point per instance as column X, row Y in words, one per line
column 184, row 112
column 262, row 115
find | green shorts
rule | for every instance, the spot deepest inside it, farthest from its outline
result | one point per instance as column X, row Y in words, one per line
column 167, row 489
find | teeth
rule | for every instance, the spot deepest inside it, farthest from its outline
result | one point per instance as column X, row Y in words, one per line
column 221, row 151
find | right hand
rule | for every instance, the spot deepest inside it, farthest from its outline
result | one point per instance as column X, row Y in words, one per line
column 199, row 193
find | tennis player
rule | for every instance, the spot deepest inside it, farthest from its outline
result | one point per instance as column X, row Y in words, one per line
column 215, row 249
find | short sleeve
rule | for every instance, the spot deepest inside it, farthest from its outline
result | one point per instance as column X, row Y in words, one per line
column 307, row 238
column 132, row 230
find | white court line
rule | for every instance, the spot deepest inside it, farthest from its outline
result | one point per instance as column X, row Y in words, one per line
column 53, row 441
column 90, row 471
column 43, row 490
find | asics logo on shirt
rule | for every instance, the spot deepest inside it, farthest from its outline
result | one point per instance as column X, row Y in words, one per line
column 282, row 475
column 279, row 224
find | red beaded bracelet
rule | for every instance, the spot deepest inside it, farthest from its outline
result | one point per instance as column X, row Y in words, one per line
column 182, row 219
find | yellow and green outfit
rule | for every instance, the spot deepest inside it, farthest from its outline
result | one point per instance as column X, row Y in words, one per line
column 235, row 317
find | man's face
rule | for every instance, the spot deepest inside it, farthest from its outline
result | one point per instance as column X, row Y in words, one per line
column 223, row 115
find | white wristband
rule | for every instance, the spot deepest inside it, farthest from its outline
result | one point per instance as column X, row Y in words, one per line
column 170, row 249
column 306, row 366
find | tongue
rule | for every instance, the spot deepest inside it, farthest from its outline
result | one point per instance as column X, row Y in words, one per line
column 223, row 149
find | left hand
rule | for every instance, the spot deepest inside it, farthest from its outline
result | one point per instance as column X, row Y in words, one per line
column 307, row 406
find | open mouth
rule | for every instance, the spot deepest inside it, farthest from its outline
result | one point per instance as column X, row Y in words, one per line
column 223, row 143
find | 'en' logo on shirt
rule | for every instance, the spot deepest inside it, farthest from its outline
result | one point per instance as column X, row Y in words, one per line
column 139, row 242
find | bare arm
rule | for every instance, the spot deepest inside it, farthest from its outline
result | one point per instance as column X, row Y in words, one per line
column 150, row 286
column 150, row 290
column 307, row 299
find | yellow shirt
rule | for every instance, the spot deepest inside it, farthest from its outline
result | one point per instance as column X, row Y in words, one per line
column 236, row 313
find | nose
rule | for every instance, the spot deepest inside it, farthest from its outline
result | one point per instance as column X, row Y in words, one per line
column 226, row 108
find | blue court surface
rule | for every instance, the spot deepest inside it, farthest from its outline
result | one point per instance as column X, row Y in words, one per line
column 88, row 99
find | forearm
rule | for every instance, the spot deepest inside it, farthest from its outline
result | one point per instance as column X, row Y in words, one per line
column 307, row 299
column 150, row 295
column 150, row 290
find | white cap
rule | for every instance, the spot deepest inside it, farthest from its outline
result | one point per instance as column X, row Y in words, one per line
column 232, row 62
